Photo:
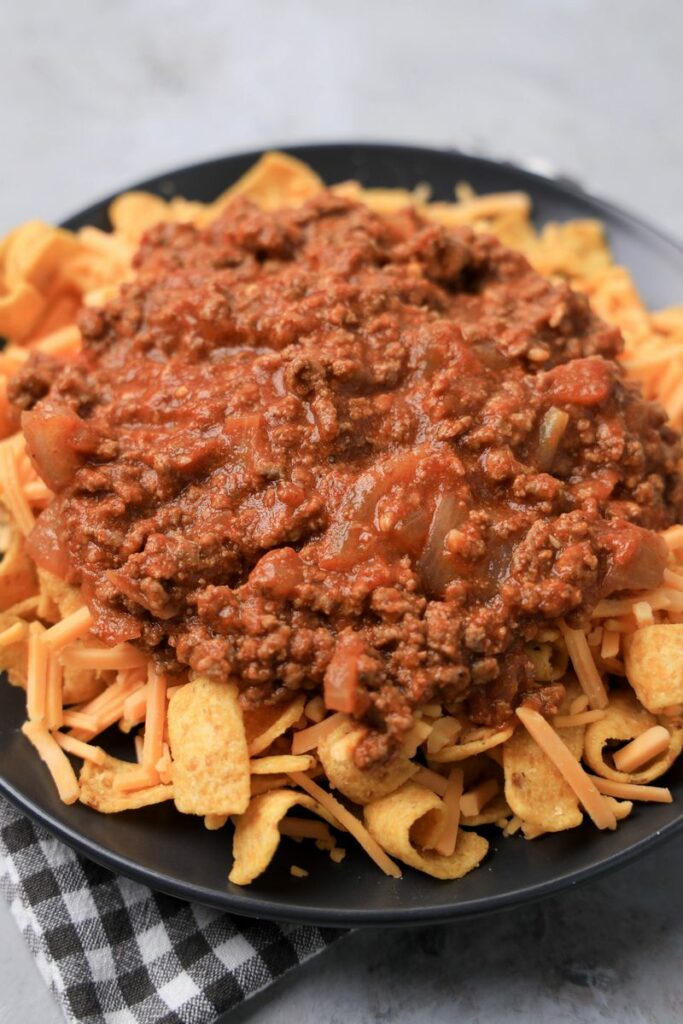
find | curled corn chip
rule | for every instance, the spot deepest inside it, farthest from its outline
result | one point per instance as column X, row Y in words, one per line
column 534, row 788
column 20, row 309
column 549, row 660
column 81, row 684
column 395, row 820
column 281, row 763
column 654, row 665
column 98, row 792
column 470, row 741
column 625, row 719
column 381, row 200
column 67, row 598
column 35, row 254
column 575, row 250
column 361, row 785
column 14, row 656
column 257, row 834
column 263, row 725
column 210, row 767
column 494, row 810
column 32, row 259
column 133, row 213
column 276, row 180
column 18, row 578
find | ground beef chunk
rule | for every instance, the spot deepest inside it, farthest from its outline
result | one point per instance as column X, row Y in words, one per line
column 322, row 423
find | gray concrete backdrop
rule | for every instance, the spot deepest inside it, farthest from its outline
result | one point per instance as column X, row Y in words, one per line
column 96, row 94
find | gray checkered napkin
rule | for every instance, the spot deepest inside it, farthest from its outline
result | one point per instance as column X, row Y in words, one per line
column 114, row 951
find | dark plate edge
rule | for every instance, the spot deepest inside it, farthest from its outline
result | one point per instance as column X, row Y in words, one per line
column 567, row 185
column 243, row 906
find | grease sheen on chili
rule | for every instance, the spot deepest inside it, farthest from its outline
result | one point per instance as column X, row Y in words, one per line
column 325, row 445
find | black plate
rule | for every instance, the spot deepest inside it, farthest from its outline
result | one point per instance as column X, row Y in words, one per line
column 173, row 852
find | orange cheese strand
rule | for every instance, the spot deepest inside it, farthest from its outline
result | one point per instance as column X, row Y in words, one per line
column 79, row 722
column 155, row 717
column 138, row 778
column 71, row 628
column 78, row 748
column 14, row 634
column 354, row 826
column 580, row 718
column 36, row 675
column 632, row 790
column 135, row 707
column 642, row 749
column 102, row 659
column 448, row 834
column 54, row 708
column 584, row 666
column 570, row 769
column 308, row 739
column 431, row 780
column 56, row 760
column 474, row 801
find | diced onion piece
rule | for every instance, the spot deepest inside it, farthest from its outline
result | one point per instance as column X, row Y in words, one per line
column 553, row 426
column 341, row 676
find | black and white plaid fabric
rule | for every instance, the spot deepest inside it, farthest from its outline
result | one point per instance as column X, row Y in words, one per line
column 114, row 951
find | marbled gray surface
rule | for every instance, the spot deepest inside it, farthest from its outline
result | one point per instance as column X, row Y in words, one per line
column 95, row 94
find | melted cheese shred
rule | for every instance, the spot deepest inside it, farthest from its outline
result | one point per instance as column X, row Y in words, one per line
column 155, row 718
column 308, row 739
column 632, row 790
column 36, row 674
column 73, row 627
column 584, row 666
column 350, row 822
column 448, row 835
column 642, row 749
column 552, row 746
column 56, row 760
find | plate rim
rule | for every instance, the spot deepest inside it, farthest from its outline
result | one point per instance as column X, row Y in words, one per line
column 262, row 907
